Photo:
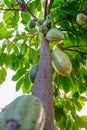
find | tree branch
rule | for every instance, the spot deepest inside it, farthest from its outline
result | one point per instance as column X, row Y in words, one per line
column 75, row 50
column 68, row 48
column 78, row 46
column 10, row 9
column 25, row 8
column 50, row 5
column 64, row 19
column 45, row 9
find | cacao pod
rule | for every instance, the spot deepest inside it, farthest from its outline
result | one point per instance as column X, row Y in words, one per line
column 31, row 24
column 48, row 17
column 61, row 62
column 48, row 23
column 27, row 111
column 43, row 29
column 33, row 72
column 54, row 35
column 81, row 18
column 40, row 22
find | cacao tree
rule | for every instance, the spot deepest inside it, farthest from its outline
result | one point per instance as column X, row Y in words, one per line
column 31, row 31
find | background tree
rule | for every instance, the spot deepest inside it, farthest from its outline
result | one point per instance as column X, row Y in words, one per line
column 20, row 49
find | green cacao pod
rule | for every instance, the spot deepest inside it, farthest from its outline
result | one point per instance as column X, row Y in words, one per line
column 48, row 23
column 27, row 111
column 54, row 35
column 40, row 22
column 61, row 62
column 48, row 16
column 43, row 29
column 31, row 24
column 81, row 18
column 33, row 72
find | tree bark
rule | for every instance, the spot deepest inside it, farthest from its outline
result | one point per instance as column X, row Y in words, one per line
column 43, row 84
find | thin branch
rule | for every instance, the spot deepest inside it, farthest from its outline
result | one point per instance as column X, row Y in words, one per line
column 50, row 5
column 25, row 8
column 79, row 46
column 32, row 36
column 64, row 19
column 74, row 50
column 45, row 9
column 10, row 9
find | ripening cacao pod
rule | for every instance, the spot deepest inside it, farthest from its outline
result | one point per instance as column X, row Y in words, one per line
column 55, row 35
column 26, row 112
column 33, row 72
column 81, row 18
column 31, row 24
column 61, row 62
column 43, row 29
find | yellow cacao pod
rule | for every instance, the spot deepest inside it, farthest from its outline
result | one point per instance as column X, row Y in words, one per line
column 81, row 18
column 61, row 62
column 55, row 35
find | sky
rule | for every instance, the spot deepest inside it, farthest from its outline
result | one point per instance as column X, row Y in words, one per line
column 7, row 90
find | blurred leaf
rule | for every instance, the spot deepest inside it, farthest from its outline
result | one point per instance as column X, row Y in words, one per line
column 78, row 105
column 8, row 3
column 81, row 121
column 15, row 19
column 4, row 33
column 3, row 74
column 68, row 122
column 18, row 74
column 25, row 18
column 19, row 83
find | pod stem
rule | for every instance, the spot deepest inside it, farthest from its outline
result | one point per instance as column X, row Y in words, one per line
column 12, row 125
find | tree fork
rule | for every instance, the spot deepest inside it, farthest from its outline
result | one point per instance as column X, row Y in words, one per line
column 43, row 84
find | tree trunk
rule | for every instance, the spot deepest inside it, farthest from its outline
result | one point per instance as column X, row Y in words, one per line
column 43, row 84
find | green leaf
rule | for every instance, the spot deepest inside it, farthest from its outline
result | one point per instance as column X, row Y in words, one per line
column 27, row 86
column 72, row 38
column 68, row 122
column 81, row 121
column 3, row 74
column 58, row 113
column 15, row 19
column 4, row 33
column 25, row 18
column 62, row 122
column 78, row 105
column 18, row 74
column 74, row 126
column 19, row 83
column 8, row 3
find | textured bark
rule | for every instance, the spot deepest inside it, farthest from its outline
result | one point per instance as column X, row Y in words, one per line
column 12, row 125
column 43, row 84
